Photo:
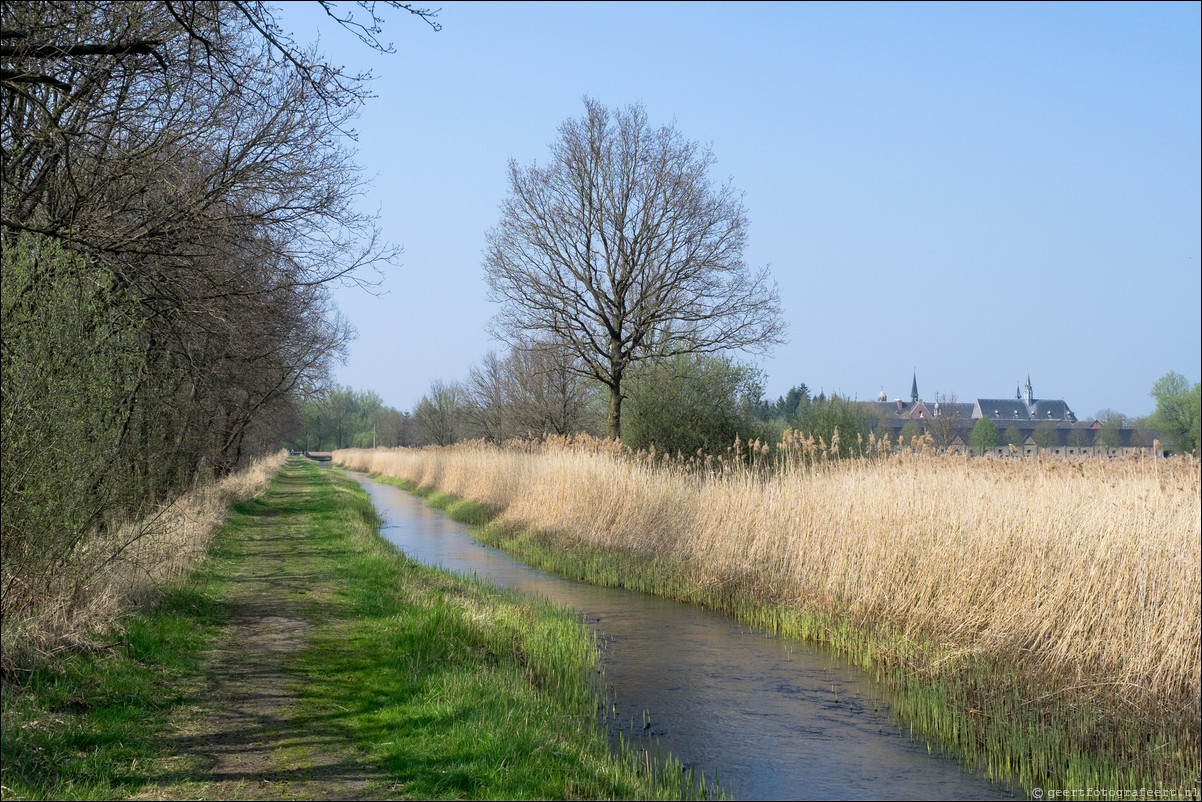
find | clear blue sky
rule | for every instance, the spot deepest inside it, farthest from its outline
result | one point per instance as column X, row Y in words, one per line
column 976, row 191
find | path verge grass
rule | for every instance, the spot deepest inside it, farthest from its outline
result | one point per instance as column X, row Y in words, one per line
column 424, row 684
column 87, row 725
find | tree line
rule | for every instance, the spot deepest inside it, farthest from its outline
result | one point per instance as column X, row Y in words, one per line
column 342, row 417
column 701, row 403
column 687, row 404
column 177, row 197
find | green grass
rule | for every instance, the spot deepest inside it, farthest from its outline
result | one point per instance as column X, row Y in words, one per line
column 86, row 725
column 459, row 509
column 991, row 714
column 439, row 686
column 456, row 688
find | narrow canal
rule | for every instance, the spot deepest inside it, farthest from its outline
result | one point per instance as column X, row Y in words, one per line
column 774, row 717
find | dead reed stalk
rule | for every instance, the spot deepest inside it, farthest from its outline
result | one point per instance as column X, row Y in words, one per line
column 103, row 576
column 1087, row 573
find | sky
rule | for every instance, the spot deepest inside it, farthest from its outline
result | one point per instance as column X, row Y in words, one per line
column 972, row 192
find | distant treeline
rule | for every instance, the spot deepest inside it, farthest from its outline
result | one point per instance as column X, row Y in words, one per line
column 345, row 418
column 686, row 404
column 702, row 403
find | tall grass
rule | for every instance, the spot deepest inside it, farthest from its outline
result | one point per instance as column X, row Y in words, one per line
column 1056, row 598
column 103, row 576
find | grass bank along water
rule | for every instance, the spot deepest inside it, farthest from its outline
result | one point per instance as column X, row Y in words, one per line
column 422, row 684
column 1042, row 615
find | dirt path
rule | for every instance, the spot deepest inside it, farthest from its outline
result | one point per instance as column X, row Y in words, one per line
column 241, row 737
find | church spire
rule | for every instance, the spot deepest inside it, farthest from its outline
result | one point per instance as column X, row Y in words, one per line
column 1030, row 392
column 914, row 389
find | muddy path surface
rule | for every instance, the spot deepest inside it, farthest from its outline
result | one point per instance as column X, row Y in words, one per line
column 327, row 665
column 241, row 736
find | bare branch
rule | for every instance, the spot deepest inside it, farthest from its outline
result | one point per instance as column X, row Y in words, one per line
column 170, row 231
column 623, row 250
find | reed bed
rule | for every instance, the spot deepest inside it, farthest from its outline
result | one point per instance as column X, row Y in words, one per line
column 1076, row 584
column 103, row 576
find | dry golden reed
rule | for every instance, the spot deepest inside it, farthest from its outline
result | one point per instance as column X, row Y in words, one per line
column 103, row 576
column 1088, row 572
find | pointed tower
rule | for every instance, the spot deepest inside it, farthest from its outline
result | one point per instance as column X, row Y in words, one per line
column 1030, row 392
column 914, row 389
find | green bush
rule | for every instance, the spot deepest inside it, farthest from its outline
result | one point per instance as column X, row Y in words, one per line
column 691, row 402
column 821, row 417
column 70, row 362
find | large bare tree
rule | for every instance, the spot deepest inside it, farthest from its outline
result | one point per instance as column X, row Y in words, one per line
column 623, row 249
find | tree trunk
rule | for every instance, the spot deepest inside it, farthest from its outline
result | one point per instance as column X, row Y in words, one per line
column 613, row 417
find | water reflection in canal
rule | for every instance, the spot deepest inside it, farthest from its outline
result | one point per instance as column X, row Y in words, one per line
column 776, row 718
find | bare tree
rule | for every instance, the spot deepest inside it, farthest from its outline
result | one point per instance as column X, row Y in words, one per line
column 1013, row 436
column 530, row 391
column 194, row 156
column 489, row 398
column 183, row 122
column 550, row 393
column 1046, row 435
column 945, row 423
column 440, row 414
column 1080, row 436
column 622, row 250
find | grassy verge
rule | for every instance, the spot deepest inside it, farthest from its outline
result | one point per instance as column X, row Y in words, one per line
column 428, row 684
column 109, row 573
column 87, row 725
column 1037, row 731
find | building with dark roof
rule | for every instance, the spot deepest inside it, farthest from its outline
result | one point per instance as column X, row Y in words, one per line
column 1026, row 425
column 1022, row 408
